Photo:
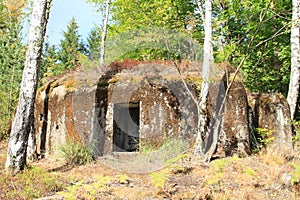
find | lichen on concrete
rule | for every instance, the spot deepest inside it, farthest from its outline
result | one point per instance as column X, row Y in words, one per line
column 80, row 106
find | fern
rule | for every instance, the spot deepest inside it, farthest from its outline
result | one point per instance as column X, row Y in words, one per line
column 296, row 175
column 159, row 178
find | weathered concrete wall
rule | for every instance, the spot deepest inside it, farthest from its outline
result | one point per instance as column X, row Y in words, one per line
column 161, row 112
column 236, row 124
column 272, row 116
column 63, row 113
column 228, row 121
column 55, row 118
column 68, row 109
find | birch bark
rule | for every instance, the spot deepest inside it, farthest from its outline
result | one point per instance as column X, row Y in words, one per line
column 207, row 63
column 295, row 59
column 104, row 32
column 23, row 120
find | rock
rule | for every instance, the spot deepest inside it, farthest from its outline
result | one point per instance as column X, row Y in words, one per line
column 286, row 179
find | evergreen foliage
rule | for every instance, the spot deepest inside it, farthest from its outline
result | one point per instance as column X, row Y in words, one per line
column 70, row 48
column 93, row 43
column 49, row 62
column 12, row 54
column 67, row 56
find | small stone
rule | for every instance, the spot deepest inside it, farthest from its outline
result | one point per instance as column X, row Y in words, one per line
column 286, row 179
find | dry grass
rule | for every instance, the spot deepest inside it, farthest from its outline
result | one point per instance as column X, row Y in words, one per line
column 262, row 176
column 32, row 183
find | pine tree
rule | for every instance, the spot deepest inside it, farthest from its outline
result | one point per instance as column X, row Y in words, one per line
column 49, row 62
column 93, row 44
column 70, row 48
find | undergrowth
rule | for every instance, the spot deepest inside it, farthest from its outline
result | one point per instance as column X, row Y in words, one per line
column 169, row 146
column 76, row 153
column 162, row 155
column 33, row 182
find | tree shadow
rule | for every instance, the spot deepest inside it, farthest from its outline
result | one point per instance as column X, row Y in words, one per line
column 63, row 168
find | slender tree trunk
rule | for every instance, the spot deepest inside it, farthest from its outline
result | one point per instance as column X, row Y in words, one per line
column 23, row 120
column 207, row 64
column 104, row 32
column 295, row 59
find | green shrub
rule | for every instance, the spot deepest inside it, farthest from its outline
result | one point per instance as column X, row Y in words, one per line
column 75, row 153
column 265, row 136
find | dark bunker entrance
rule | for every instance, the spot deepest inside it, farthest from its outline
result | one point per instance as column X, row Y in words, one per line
column 126, row 126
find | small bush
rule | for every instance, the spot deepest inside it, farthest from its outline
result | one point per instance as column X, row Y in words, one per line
column 76, row 153
column 265, row 136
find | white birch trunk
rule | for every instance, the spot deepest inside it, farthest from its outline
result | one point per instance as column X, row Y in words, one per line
column 104, row 32
column 207, row 64
column 295, row 59
column 23, row 120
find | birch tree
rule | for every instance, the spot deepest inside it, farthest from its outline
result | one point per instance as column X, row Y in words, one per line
column 104, row 32
column 24, row 118
column 207, row 64
column 295, row 59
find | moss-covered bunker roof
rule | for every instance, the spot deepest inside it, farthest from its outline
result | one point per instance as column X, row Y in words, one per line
column 131, row 72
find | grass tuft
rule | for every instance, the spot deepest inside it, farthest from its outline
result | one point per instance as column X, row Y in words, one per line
column 75, row 153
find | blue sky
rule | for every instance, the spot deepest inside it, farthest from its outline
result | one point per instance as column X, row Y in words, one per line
column 62, row 12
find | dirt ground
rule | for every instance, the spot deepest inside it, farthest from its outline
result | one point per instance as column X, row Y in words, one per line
column 262, row 176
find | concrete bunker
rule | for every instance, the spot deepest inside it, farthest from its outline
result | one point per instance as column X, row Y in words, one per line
column 116, row 112
column 145, row 104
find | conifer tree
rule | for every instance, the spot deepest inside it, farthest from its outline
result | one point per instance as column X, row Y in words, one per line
column 93, row 43
column 49, row 61
column 70, row 47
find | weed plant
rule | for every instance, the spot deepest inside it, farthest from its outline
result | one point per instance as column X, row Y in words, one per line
column 76, row 153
